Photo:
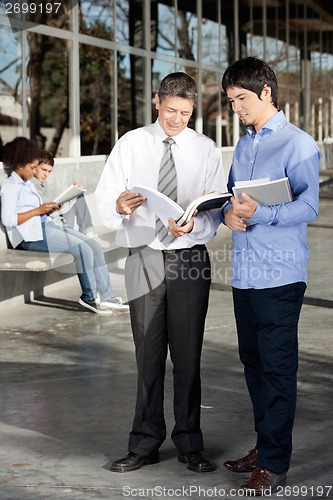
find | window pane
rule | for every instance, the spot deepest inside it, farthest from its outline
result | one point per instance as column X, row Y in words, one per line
column 96, row 126
column 122, row 21
column 48, row 103
column 11, row 111
column 211, row 91
column 290, row 91
column 131, row 93
column 97, row 18
column 163, row 29
column 187, row 34
column 130, row 22
column 211, row 43
column 57, row 14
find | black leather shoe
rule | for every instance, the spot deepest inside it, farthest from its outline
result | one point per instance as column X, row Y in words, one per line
column 196, row 462
column 134, row 461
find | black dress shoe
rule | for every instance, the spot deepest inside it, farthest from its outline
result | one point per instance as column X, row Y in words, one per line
column 196, row 462
column 134, row 461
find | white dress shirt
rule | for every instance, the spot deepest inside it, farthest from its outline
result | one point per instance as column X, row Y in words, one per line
column 135, row 159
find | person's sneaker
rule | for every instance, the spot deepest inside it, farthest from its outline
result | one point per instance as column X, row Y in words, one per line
column 115, row 303
column 94, row 306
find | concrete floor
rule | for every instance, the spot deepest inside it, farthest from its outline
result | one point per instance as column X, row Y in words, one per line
column 67, row 391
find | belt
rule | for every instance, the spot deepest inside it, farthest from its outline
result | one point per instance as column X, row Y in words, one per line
column 177, row 250
column 134, row 250
column 173, row 250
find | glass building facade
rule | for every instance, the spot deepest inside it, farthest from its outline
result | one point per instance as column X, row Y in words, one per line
column 77, row 75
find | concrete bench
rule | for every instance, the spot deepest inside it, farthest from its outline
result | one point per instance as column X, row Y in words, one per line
column 27, row 273
column 24, row 273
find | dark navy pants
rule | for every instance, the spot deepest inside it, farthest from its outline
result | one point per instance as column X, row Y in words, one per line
column 267, row 323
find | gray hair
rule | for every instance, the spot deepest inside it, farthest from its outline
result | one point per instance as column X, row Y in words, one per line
column 178, row 85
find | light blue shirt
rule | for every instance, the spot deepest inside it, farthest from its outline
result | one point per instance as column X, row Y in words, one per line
column 19, row 196
column 273, row 251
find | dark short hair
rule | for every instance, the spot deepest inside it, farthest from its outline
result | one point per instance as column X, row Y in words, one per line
column 178, row 85
column 20, row 152
column 46, row 157
column 251, row 73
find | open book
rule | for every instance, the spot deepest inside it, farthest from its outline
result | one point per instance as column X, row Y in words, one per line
column 71, row 192
column 264, row 191
column 164, row 207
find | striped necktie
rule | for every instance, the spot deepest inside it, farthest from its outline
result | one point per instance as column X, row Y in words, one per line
column 167, row 184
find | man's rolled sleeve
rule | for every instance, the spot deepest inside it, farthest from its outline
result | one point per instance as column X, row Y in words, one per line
column 262, row 215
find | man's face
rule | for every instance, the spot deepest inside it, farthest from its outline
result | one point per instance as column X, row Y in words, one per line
column 42, row 172
column 250, row 109
column 174, row 114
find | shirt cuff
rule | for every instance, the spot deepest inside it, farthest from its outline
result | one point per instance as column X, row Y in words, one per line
column 260, row 215
column 198, row 225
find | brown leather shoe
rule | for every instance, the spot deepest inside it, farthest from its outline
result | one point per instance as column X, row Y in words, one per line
column 245, row 464
column 262, row 482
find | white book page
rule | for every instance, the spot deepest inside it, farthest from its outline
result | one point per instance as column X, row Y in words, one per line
column 160, row 204
column 69, row 193
column 252, row 182
column 270, row 193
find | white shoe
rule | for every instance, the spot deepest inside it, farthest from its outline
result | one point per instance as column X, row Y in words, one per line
column 94, row 306
column 115, row 303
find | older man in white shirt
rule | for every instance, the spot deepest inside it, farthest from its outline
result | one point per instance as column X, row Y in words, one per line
column 167, row 278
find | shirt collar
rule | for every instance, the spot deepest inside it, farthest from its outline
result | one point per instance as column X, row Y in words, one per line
column 277, row 121
column 160, row 135
column 37, row 182
column 17, row 178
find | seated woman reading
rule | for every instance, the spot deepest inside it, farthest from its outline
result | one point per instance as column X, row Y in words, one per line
column 28, row 227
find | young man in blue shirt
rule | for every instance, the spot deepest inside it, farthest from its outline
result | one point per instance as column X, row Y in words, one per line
column 269, row 263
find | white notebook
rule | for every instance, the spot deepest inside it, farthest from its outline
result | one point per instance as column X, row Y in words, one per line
column 265, row 191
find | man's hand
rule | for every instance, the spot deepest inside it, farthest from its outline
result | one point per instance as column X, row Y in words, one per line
column 233, row 221
column 128, row 201
column 245, row 209
column 178, row 231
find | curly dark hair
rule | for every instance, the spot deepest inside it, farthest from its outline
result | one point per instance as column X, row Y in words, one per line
column 20, row 152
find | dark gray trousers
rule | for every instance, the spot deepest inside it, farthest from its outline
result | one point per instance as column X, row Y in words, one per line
column 169, row 294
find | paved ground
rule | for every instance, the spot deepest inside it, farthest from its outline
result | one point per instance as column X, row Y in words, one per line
column 67, row 391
